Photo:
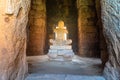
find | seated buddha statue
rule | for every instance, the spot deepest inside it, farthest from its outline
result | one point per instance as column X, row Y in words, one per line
column 60, row 35
column 61, row 48
column 61, row 31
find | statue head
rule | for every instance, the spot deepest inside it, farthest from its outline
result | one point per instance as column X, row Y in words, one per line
column 61, row 24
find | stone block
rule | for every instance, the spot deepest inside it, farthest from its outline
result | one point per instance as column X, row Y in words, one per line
column 53, row 56
column 52, row 51
column 65, row 51
column 58, row 54
column 61, row 47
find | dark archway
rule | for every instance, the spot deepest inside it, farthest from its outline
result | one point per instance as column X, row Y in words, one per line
column 65, row 10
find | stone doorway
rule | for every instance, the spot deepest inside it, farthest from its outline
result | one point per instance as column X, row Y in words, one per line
column 86, row 32
column 81, row 20
column 65, row 10
column 13, row 35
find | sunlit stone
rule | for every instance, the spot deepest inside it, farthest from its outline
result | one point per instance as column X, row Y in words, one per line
column 61, row 31
column 9, row 7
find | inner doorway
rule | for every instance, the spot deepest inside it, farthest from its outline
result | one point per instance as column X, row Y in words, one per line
column 65, row 10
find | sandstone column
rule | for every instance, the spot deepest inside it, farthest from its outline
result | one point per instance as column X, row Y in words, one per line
column 37, row 28
column 111, row 27
column 88, row 30
column 13, row 22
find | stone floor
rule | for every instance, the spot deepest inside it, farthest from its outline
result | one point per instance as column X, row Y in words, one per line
column 62, row 77
column 41, row 68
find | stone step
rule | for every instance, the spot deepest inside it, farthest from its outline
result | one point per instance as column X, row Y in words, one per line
column 61, row 47
column 62, row 77
column 61, row 51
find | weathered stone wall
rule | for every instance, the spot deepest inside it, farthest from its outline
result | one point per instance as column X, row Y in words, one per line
column 13, row 21
column 37, row 28
column 111, row 27
column 88, row 30
column 103, row 45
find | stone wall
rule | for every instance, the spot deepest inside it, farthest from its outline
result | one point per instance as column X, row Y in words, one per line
column 37, row 28
column 13, row 21
column 88, row 30
column 111, row 27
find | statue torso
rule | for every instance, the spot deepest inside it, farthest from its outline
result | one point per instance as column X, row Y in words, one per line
column 60, row 33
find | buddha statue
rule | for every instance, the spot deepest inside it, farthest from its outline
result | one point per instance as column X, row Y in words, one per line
column 61, row 33
column 61, row 48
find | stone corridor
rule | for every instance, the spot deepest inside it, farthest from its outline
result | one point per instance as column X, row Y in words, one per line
column 41, row 68
column 26, row 26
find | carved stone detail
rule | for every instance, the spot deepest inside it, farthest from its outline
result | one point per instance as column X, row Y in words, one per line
column 9, row 7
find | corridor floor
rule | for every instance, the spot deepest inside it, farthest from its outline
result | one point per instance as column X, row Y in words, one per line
column 41, row 68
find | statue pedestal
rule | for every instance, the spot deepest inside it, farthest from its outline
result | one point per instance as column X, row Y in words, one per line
column 60, row 52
